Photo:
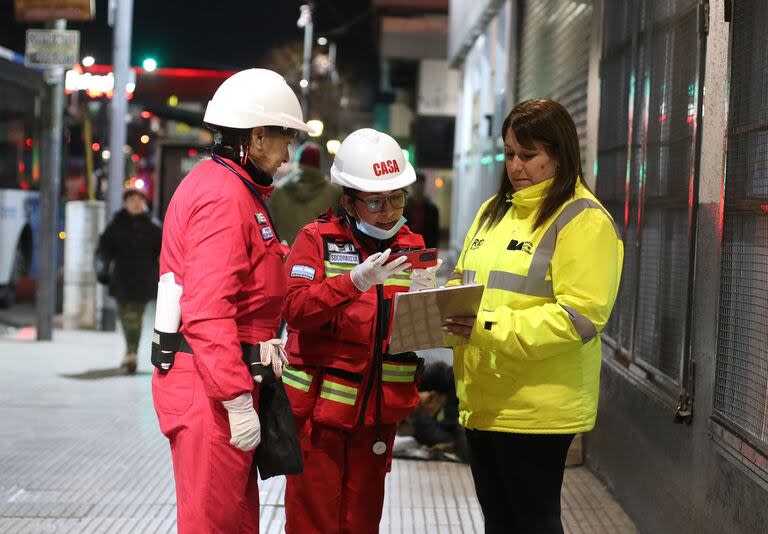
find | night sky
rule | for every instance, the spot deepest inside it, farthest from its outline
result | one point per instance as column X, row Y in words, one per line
column 217, row 34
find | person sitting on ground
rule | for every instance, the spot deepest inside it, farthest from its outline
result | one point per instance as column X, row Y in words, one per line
column 434, row 423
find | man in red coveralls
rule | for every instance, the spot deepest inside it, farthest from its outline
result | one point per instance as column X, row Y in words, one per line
column 219, row 242
column 347, row 392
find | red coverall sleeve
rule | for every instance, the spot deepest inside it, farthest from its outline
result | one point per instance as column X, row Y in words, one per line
column 216, row 264
column 311, row 303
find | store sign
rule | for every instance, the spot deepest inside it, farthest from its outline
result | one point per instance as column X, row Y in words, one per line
column 46, row 10
column 96, row 85
column 52, row 48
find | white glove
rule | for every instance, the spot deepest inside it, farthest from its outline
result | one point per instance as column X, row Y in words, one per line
column 243, row 422
column 425, row 278
column 272, row 353
column 375, row 270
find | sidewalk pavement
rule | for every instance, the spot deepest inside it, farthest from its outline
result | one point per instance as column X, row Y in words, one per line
column 81, row 452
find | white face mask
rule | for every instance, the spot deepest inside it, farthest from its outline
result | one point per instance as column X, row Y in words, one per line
column 376, row 232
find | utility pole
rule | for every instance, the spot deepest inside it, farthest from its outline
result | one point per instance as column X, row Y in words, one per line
column 121, row 56
column 305, row 21
column 50, row 191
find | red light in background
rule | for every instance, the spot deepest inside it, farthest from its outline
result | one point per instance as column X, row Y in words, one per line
column 192, row 152
column 146, row 114
column 134, row 158
column 764, row 207
column 95, row 147
column 28, row 142
column 24, row 185
column 22, row 167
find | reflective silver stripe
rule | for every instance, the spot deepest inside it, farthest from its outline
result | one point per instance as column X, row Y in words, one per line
column 535, row 283
column 295, row 377
column 468, row 277
column 583, row 326
column 337, row 271
column 399, row 373
column 329, row 387
column 518, row 283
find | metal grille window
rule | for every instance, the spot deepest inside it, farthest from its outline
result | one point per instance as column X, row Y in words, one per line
column 646, row 174
column 741, row 380
column 554, row 56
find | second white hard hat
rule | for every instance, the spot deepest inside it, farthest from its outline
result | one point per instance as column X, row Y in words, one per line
column 255, row 97
column 371, row 161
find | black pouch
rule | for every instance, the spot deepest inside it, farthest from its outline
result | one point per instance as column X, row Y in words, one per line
column 279, row 452
column 164, row 348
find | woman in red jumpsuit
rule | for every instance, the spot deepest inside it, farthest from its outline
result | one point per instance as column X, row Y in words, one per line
column 221, row 246
column 347, row 392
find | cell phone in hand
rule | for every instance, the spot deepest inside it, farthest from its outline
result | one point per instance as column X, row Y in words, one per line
column 419, row 259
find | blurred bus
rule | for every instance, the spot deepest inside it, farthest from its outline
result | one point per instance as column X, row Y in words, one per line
column 20, row 104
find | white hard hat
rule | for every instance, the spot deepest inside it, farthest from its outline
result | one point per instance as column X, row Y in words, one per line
column 255, row 97
column 371, row 161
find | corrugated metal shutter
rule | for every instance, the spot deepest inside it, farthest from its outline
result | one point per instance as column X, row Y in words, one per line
column 554, row 56
column 741, row 380
column 646, row 173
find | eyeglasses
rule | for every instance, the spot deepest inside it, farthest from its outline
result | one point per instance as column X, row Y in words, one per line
column 376, row 204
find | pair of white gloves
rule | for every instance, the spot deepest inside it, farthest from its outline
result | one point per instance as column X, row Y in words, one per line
column 244, row 424
column 375, row 270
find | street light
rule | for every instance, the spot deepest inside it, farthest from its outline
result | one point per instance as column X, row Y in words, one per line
column 316, row 126
column 88, row 61
column 333, row 146
column 149, row 64
column 305, row 22
column 305, row 16
column 322, row 41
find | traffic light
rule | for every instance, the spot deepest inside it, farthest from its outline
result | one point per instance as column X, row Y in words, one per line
column 149, row 64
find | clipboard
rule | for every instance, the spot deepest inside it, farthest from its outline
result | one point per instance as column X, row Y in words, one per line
column 419, row 316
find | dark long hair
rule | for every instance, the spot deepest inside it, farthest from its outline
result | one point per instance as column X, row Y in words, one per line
column 549, row 123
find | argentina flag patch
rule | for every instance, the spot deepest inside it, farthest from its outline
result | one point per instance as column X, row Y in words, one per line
column 303, row 271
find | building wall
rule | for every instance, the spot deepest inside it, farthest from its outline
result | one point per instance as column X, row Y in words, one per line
column 484, row 98
column 684, row 478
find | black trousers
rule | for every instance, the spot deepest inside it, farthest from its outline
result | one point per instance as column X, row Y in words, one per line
column 518, row 478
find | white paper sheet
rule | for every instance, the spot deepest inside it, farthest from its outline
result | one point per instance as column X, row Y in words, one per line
column 168, row 313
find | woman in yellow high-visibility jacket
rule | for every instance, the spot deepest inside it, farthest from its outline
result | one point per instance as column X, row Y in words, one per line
column 528, row 366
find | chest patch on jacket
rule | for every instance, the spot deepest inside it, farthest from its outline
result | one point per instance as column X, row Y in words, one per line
column 341, row 247
column 267, row 233
column 343, row 257
column 525, row 246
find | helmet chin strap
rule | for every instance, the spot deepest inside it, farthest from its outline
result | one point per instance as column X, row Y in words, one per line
column 245, row 152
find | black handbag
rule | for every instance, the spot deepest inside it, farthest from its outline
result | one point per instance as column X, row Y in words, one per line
column 279, row 452
column 103, row 267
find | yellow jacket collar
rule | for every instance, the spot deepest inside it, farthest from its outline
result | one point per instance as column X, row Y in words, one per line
column 531, row 197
